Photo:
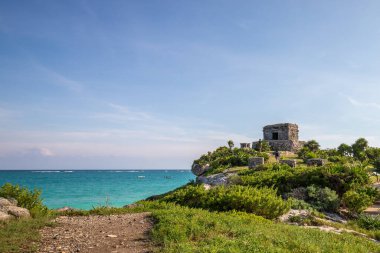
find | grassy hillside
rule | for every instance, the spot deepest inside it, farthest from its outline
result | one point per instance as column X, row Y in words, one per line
column 180, row 229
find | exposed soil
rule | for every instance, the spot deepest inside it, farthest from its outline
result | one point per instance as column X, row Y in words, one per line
column 98, row 234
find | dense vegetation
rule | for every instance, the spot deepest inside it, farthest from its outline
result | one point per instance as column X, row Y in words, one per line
column 238, row 217
column 342, row 183
column 224, row 157
column 260, row 201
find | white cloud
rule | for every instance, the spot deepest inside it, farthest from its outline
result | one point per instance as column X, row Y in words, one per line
column 356, row 103
column 46, row 152
column 121, row 114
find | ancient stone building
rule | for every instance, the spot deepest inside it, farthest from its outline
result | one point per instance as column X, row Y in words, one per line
column 245, row 145
column 282, row 137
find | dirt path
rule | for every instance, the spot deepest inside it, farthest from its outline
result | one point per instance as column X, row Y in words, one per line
column 98, row 234
column 375, row 208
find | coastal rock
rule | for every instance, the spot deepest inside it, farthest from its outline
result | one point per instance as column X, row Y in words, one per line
column 292, row 213
column 6, row 202
column 198, row 170
column 216, row 179
column 18, row 212
column 65, row 209
column 207, row 187
column 9, row 209
column 5, row 216
column 135, row 205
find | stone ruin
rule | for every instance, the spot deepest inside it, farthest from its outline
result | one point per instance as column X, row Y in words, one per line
column 316, row 162
column 281, row 137
column 291, row 162
column 245, row 145
column 255, row 161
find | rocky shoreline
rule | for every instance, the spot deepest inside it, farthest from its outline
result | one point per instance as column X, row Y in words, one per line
column 9, row 210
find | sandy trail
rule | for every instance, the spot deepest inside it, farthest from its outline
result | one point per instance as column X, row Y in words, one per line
column 98, row 234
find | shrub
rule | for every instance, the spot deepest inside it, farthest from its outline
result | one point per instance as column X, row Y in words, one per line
column 338, row 177
column 224, row 157
column 299, row 193
column 27, row 199
column 299, row 204
column 263, row 202
column 370, row 191
column 356, row 202
column 323, row 199
column 369, row 222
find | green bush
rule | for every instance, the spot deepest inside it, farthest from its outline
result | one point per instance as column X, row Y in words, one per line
column 323, row 199
column 263, row 201
column 356, row 202
column 338, row 177
column 224, row 157
column 369, row 222
column 27, row 199
column 370, row 191
column 299, row 204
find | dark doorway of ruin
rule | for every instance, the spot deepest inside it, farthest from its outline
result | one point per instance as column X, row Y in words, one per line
column 274, row 136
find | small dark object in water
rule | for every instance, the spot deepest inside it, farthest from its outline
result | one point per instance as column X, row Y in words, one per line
column 167, row 177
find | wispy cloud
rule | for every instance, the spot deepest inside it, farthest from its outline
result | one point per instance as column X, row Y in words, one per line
column 357, row 103
column 61, row 80
column 121, row 113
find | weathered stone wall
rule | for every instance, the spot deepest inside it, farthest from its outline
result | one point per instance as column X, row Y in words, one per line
column 287, row 134
column 286, row 145
column 291, row 162
column 245, row 145
column 316, row 162
column 255, row 161
column 286, row 131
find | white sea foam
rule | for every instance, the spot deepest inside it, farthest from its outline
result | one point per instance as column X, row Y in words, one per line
column 126, row 171
column 45, row 171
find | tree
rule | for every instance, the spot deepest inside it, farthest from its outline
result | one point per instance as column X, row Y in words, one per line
column 230, row 144
column 344, row 150
column 312, row 145
column 359, row 148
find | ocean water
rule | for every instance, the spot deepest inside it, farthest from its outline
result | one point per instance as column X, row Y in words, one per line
column 87, row 189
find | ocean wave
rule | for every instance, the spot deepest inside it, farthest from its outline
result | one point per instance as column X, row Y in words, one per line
column 68, row 171
column 125, row 171
column 45, row 171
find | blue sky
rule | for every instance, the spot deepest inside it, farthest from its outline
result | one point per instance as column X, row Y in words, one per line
column 154, row 84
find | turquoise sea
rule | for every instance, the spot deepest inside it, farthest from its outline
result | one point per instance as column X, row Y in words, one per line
column 88, row 188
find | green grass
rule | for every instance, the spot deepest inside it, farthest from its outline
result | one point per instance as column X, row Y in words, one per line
column 180, row 229
column 21, row 235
